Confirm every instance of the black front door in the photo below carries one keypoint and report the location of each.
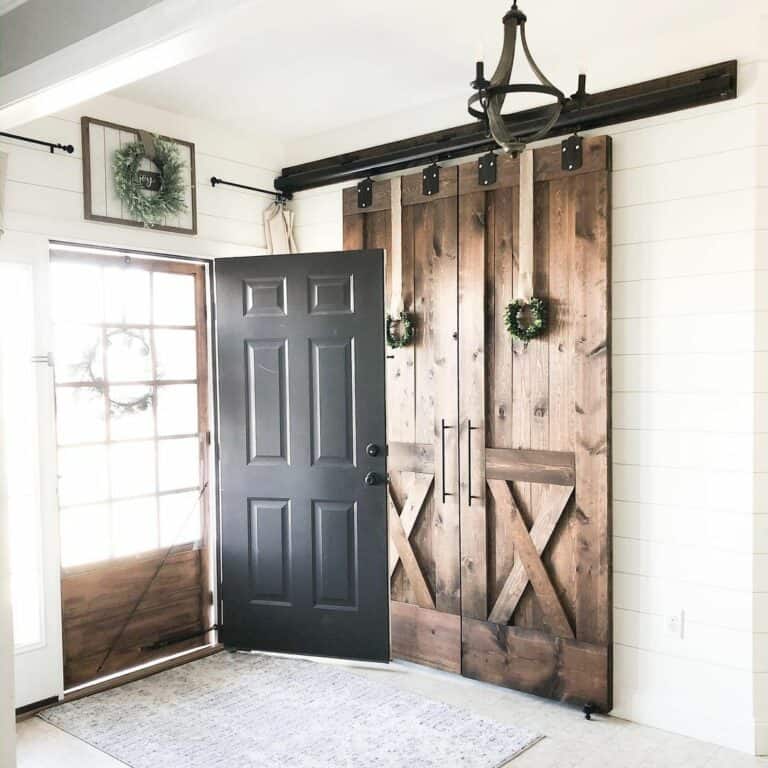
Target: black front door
(302, 451)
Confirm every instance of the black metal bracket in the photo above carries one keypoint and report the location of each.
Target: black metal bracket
(572, 154)
(68, 148)
(588, 710)
(215, 180)
(583, 112)
(486, 169)
(430, 180)
(365, 193)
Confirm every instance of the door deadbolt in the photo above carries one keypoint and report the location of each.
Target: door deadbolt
(371, 479)
(372, 449)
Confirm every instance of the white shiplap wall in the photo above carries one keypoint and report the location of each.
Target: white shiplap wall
(690, 412)
(45, 192)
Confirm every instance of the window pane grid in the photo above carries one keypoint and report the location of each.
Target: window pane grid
(147, 456)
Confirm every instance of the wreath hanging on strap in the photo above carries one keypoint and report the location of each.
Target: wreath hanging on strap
(525, 320)
(130, 340)
(408, 329)
(138, 189)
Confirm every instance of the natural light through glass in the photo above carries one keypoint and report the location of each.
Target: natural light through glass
(127, 408)
(20, 436)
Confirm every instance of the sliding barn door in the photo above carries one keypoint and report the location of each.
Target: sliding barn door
(535, 536)
(421, 235)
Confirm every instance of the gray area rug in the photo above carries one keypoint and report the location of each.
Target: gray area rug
(247, 710)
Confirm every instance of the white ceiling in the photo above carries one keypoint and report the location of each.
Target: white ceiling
(305, 68)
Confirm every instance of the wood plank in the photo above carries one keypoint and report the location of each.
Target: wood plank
(545, 592)
(411, 457)
(426, 637)
(552, 504)
(410, 512)
(591, 393)
(502, 230)
(103, 588)
(531, 466)
(381, 199)
(534, 661)
(354, 232)
(471, 380)
(443, 246)
(147, 626)
(410, 563)
(524, 287)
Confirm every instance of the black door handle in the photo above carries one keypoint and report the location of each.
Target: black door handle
(443, 427)
(371, 479)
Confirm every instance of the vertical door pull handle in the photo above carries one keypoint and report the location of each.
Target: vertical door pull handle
(470, 429)
(443, 427)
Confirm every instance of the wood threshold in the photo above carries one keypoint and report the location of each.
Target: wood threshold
(131, 675)
(114, 681)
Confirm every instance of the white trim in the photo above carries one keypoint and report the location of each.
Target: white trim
(162, 36)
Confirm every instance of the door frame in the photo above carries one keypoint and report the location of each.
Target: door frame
(38, 669)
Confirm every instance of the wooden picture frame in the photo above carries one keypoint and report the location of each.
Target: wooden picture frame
(100, 203)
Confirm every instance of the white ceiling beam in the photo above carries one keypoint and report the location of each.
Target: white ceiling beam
(162, 36)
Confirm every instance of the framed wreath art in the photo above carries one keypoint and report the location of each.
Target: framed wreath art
(148, 196)
(137, 178)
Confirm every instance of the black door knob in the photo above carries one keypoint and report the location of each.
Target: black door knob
(372, 449)
(371, 479)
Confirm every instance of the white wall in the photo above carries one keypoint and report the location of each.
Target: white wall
(690, 406)
(45, 192)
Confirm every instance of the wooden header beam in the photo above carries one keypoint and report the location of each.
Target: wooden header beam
(694, 88)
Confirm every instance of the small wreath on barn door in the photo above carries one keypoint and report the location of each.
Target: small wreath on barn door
(525, 320)
(137, 188)
(407, 331)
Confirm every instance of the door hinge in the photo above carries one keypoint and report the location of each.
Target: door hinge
(210, 597)
(208, 438)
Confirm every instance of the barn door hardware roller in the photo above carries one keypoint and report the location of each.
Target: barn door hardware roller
(486, 169)
(365, 193)
(430, 179)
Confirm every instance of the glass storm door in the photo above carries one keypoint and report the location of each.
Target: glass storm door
(132, 435)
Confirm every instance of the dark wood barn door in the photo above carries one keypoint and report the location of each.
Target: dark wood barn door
(303, 455)
(536, 542)
(527, 427)
(422, 413)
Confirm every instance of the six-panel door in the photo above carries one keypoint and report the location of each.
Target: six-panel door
(303, 456)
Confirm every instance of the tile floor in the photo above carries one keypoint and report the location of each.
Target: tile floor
(571, 742)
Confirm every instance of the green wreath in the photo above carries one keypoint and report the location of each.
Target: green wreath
(150, 207)
(85, 369)
(526, 320)
(406, 335)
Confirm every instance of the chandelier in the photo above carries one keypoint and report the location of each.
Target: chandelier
(491, 94)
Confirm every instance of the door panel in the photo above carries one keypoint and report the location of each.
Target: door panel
(541, 622)
(301, 385)
(422, 413)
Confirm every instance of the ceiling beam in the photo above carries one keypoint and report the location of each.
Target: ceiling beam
(684, 90)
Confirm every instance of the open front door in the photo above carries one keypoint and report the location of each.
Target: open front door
(302, 451)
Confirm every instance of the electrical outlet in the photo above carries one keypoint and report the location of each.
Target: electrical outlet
(674, 624)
